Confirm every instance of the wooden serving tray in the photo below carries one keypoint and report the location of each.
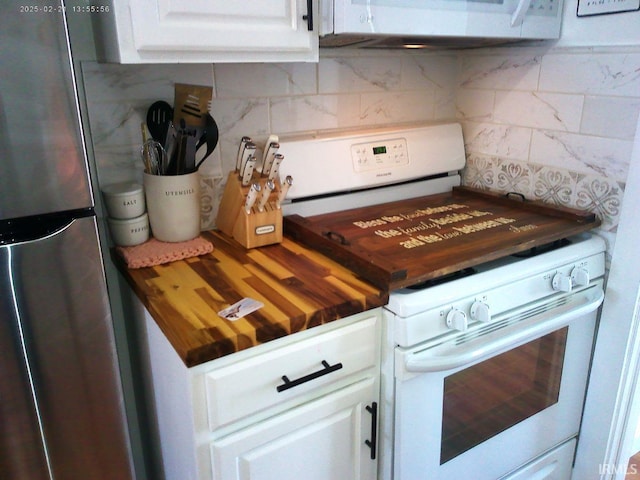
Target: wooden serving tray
(398, 244)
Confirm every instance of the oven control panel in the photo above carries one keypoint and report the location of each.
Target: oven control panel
(329, 163)
(488, 297)
(380, 154)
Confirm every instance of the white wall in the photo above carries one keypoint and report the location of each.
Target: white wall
(613, 29)
(611, 414)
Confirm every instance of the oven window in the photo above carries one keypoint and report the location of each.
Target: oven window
(486, 399)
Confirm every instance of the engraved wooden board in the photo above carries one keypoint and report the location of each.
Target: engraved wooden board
(398, 244)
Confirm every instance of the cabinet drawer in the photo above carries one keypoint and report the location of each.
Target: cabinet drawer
(258, 383)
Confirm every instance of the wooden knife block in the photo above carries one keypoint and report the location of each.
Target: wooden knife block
(254, 229)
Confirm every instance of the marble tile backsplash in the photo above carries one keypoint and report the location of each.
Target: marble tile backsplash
(555, 125)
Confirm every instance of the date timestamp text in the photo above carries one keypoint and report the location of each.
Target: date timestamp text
(63, 9)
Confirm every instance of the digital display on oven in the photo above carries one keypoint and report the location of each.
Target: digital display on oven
(379, 150)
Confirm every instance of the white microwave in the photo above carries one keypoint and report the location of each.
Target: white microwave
(407, 23)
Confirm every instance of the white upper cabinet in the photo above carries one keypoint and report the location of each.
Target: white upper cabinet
(203, 31)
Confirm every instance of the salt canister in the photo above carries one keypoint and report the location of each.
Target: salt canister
(124, 200)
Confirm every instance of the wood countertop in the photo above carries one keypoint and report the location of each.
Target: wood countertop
(300, 289)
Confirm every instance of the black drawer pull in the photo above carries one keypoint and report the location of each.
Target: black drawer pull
(307, 378)
(373, 410)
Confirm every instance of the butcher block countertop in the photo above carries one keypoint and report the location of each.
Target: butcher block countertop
(299, 287)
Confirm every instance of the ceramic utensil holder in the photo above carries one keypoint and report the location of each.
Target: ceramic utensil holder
(253, 229)
(173, 205)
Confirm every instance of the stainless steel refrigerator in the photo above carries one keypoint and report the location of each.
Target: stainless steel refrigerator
(62, 412)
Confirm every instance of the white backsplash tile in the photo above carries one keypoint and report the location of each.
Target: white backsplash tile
(399, 107)
(506, 71)
(610, 116)
(265, 79)
(499, 140)
(539, 110)
(314, 112)
(359, 74)
(107, 82)
(582, 153)
(429, 72)
(475, 106)
(597, 73)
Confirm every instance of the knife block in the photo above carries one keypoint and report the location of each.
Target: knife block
(254, 229)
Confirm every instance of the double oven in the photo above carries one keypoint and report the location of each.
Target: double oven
(489, 328)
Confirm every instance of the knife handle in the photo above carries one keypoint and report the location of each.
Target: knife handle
(243, 143)
(251, 197)
(284, 188)
(275, 168)
(269, 156)
(266, 192)
(248, 153)
(247, 172)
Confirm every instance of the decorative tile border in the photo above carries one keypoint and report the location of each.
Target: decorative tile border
(211, 192)
(597, 194)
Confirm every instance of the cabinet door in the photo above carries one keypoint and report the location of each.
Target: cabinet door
(221, 30)
(322, 440)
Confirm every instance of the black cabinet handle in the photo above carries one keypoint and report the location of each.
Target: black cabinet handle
(309, 16)
(373, 410)
(307, 378)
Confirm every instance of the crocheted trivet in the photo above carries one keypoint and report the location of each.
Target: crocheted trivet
(155, 252)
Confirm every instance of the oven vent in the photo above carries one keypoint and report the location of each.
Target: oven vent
(511, 319)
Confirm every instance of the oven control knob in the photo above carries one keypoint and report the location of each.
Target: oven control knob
(457, 320)
(480, 312)
(580, 276)
(561, 283)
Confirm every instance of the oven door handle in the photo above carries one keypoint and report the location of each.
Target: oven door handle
(500, 341)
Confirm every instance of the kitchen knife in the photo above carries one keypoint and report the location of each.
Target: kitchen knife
(284, 188)
(248, 152)
(243, 144)
(266, 192)
(247, 171)
(251, 197)
(269, 156)
(277, 160)
(265, 151)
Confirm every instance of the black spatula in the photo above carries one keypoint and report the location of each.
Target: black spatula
(210, 136)
(159, 115)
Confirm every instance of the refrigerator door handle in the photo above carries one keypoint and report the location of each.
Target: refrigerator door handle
(37, 228)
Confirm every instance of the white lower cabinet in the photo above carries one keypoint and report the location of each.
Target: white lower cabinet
(299, 407)
(321, 440)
